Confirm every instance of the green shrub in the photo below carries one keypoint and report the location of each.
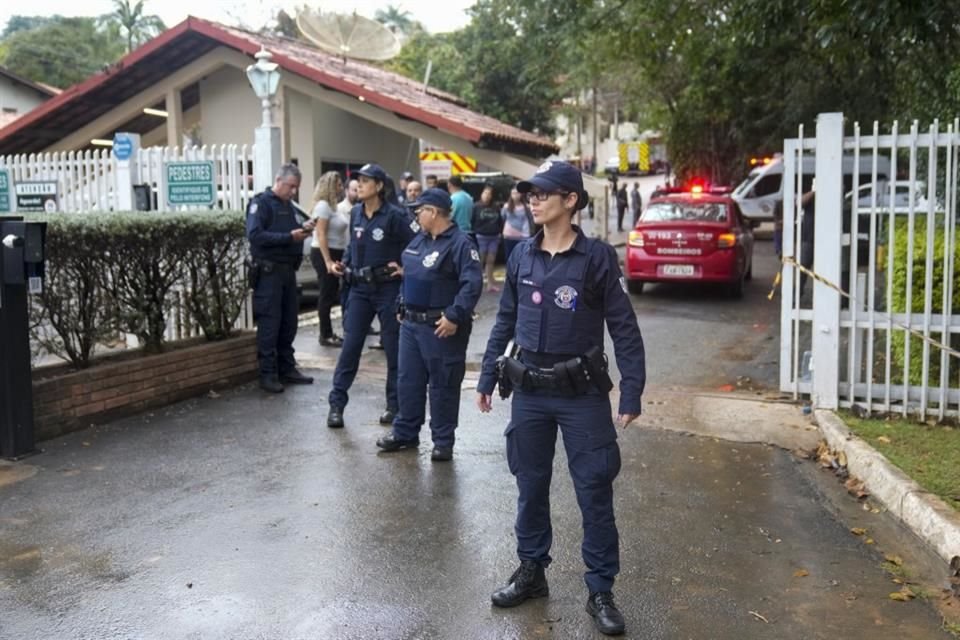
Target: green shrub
(899, 298)
(110, 272)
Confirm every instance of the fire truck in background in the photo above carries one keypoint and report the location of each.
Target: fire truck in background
(444, 164)
(642, 157)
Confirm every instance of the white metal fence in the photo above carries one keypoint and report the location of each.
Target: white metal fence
(870, 314)
(86, 180)
(233, 166)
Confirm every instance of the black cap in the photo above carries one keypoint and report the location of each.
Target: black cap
(556, 175)
(374, 171)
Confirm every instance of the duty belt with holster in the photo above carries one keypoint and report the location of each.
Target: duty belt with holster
(576, 376)
(425, 317)
(369, 275)
(258, 267)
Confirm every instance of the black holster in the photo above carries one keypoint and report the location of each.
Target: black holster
(504, 382)
(253, 272)
(595, 364)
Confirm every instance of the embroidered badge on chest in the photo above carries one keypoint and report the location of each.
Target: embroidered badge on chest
(565, 297)
(377, 234)
(431, 259)
(536, 297)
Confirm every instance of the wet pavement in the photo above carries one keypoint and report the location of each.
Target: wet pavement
(240, 515)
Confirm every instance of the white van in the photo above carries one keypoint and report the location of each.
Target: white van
(763, 188)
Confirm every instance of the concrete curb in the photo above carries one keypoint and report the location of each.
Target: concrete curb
(927, 515)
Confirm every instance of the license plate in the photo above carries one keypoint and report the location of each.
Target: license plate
(678, 269)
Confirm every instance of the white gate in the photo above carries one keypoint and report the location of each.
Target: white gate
(870, 317)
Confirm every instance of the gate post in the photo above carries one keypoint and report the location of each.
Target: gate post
(826, 260)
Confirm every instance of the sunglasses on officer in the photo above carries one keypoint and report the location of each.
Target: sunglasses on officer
(541, 196)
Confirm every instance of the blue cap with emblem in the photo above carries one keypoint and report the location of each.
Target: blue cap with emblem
(438, 198)
(556, 175)
(374, 171)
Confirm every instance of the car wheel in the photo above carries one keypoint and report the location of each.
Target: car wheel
(635, 286)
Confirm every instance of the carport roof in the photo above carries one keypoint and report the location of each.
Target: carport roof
(192, 38)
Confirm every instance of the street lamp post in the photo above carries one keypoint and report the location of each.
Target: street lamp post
(264, 77)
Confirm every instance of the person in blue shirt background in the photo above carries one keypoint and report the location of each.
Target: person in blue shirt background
(462, 204)
(560, 289)
(442, 280)
(379, 231)
(276, 238)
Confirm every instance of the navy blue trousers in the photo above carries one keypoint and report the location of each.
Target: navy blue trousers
(363, 303)
(437, 364)
(593, 458)
(275, 310)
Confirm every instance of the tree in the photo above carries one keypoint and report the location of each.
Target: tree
(395, 18)
(18, 23)
(62, 52)
(137, 26)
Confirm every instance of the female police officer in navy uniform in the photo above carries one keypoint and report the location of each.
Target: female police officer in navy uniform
(442, 280)
(379, 231)
(560, 289)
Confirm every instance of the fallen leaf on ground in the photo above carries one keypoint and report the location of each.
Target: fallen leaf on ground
(904, 595)
(801, 573)
(758, 616)
(884, 439)
(869, 541)
(893, 559)
(858, 531)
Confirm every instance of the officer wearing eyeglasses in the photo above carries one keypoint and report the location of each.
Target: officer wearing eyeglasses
(442, 281)
(379, 231)
(560, 289)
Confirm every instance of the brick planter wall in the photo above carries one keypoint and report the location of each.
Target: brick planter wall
(77, 399)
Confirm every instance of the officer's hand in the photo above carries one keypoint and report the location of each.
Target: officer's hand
(397, 269)
(299, 235)
(484, 402)
(445, 328)
(310, 225)
(624, 419)
(335, 267)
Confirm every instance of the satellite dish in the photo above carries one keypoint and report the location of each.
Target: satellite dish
(348, 35)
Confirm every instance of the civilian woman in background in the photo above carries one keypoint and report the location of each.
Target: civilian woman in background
(487, 224)
(330, 238)
(516, 218)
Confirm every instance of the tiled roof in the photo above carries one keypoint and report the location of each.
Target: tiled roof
(188, 40)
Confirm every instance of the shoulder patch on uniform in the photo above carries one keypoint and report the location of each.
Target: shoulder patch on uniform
(475, 254)
(623, 284)
(415, 226)
(253, 207)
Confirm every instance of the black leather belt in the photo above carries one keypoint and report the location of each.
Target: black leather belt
(369, 275)
(431, 315)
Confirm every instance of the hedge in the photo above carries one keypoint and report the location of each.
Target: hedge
(108, 273)
(899, 298)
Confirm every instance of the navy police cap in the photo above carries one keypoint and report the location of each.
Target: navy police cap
(556, 175)
(374, 171)
(434, 197)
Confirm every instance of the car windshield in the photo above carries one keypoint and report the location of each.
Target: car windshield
(685, 212)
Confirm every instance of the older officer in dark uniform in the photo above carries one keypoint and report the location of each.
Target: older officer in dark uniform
(560, 289)
(379, 231)
(441, 285)
(276, 248)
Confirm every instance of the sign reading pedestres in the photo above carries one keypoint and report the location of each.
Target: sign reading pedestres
(36, 196)
(191, 183)
(5, 191)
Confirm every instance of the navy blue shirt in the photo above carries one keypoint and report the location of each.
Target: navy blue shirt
(554, 307)
(442, 273)
(269, 223)
(379, 239)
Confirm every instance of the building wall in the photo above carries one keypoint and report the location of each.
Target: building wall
(16, 98)
(313, 132)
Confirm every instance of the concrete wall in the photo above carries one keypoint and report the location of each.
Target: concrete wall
(229, 110)
(14, 95)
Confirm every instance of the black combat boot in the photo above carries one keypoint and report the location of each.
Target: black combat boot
(271, 384)
(605, 614)
(335, 418)
(386, 418)
(528, 581)
(295, 377)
